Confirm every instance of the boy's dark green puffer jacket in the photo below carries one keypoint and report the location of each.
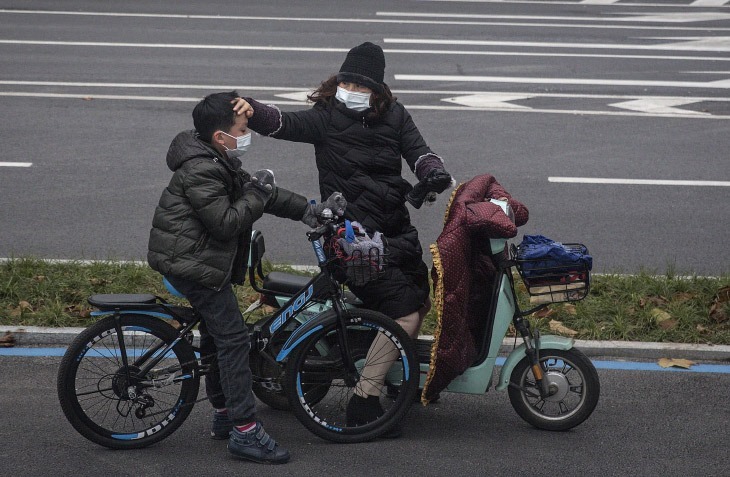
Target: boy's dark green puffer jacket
(201, 229)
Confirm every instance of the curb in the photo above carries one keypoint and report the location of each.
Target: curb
(33, 336)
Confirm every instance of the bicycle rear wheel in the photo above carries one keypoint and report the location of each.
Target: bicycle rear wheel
(320, 387)
(103, 394)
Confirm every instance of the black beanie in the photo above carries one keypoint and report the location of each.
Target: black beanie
(365, 65)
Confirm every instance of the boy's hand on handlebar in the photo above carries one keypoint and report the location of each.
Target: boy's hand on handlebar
(263, 184)
(335, 202)
(241, 106)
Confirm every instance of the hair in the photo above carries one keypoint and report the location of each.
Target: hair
(380, 101)
(214, 113)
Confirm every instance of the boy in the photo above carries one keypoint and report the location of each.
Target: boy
(200, 239)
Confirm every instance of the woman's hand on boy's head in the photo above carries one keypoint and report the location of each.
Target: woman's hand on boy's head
(241, 106)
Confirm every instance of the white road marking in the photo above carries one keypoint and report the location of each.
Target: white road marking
(491, 100)
(464, 100)
(695, 44)
(674, 17)
(661, 106)
(556, 2)
(598, 2)
(709, 3)
(16, 164)
(92, 96)
(192, 46)
(721, 84)
(386, 50)
(440, 21)
(594, 180)
(295, 96)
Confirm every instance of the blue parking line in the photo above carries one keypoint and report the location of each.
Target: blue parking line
(613, 365)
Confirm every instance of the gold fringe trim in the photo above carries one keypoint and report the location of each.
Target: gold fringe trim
(438, 299)
(451, 201)
(438, 303)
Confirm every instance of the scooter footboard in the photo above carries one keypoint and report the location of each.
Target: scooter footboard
(546, 342)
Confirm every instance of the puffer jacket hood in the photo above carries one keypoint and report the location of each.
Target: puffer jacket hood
(187, 145)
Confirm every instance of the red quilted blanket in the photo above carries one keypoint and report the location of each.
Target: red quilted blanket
(462, 271)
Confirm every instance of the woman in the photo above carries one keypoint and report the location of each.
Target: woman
(361, 134)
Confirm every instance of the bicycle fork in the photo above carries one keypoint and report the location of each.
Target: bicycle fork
(352, 376)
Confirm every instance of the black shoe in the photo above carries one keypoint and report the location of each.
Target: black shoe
(256, 445)
(361, 411)
(392, 393)
(222, 426)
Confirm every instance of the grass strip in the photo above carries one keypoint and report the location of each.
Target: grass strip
(641, 307)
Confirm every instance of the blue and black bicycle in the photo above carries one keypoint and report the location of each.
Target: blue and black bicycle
(132, 378)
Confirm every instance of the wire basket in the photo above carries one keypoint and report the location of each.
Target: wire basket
(555, 280)
(359, 267)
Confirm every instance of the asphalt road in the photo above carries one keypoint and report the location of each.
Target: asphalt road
(646, 423)
(92, 93)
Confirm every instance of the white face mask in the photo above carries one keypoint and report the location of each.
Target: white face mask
(353, 100)
(242, 144)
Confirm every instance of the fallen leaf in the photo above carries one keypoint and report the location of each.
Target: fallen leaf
(558, 327)
(717, 309)
(39, 278)
(668, 324)
(99, 281)
(652, 300)
(570, 309)
(7, 340)
(88, 98)
(545, 312)
(677, 363)
(24, 305)
(723, 295)
(702, 329)
(683, 296)
(660, 315)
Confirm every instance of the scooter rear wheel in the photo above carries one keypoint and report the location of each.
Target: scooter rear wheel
(574, 387)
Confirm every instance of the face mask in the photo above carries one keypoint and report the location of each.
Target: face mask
(242, 144)
(353, 100)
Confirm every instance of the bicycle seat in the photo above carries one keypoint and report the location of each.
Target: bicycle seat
(285, 283)
(114, 300)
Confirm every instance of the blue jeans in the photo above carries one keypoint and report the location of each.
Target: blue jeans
(224, 345)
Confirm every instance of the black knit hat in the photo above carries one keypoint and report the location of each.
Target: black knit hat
(365, 65)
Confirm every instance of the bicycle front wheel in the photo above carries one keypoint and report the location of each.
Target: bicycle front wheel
(104, 394)
(320, 386)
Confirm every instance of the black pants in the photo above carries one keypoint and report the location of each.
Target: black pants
(224, 344)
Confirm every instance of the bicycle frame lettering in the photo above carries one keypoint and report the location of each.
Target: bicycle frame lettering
(284, 316)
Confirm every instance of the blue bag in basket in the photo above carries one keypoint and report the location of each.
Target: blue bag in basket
(541, 254)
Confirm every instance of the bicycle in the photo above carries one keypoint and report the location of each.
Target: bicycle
(131, 379)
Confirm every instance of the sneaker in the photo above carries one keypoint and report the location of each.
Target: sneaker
(361, 411)
(257, 446)
(222, 426)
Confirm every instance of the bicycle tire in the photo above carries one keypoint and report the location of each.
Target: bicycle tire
(317, 365)
(116, 409)
(575, 385)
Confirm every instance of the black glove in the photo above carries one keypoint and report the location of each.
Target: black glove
(263, 184)
(336, 203)
(437, 181)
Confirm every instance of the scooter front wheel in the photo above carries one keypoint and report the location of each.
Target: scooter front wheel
(573, 384)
